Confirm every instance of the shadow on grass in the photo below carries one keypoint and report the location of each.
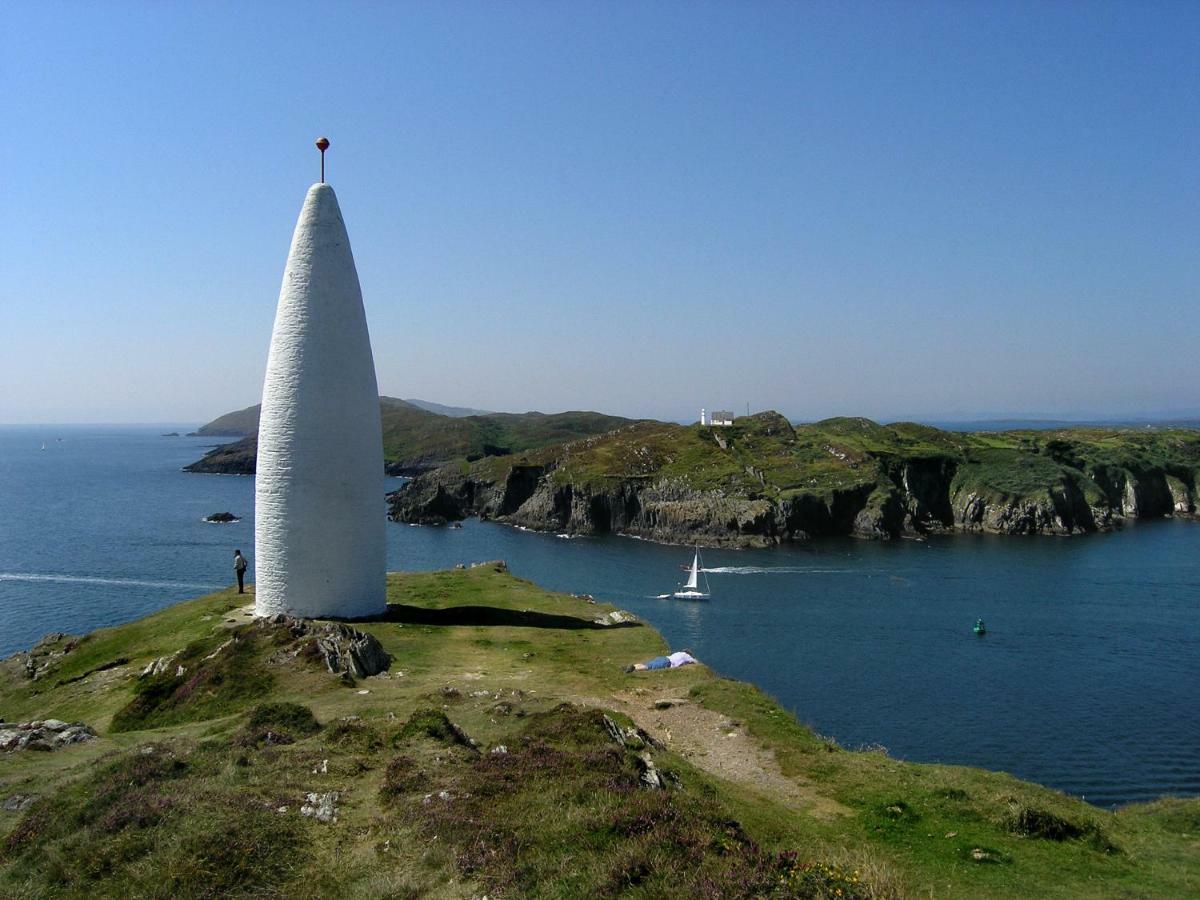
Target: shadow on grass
(489, 615)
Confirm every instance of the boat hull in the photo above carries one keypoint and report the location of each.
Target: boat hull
(690, 595)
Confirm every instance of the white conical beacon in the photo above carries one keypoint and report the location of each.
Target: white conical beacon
(319, 536)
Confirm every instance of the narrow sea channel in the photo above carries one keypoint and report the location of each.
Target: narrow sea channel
(1086, 681)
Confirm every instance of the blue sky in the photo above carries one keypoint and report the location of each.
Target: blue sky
(919, 210)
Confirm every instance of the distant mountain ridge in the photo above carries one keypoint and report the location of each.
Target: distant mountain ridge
(243, 422)
(234, 424)
(416, 439)
(454, 412)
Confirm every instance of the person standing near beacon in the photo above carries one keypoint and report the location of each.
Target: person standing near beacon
(240, 565)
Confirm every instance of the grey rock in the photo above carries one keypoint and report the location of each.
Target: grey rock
(649, 774)
(616, 617)
(615, 731)
(17, 803)
(46, 654)
(322, 807)
(50, 734)
(76, 734)
(633, 737)
(463, 738)
(158, 666)
(668, 702)
(345, 650)
(49, 639)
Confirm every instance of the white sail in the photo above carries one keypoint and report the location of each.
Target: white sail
(691, 590)
(693, 576)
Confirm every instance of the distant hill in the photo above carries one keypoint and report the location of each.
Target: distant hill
(454, 412)
(245, 421)
(1059, 424)
(762, 481)
(415, 439)
(234, 424)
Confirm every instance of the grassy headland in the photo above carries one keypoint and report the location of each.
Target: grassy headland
(762, 481)
(415, 439)
(196, 782)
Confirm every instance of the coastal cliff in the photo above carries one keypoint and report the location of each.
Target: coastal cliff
(763, 481)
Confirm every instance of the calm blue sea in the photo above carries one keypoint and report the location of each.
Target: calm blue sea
(1087, 680)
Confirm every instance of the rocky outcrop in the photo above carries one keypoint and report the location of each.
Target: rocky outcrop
(530, 497)
(974, 512)
(161, 664)
(664, 510)
(45, 655)
(894, 497)
(1183, 498)
(235, 458)
(221, 518)
(342, 648)
(17, 803)
(45, 734)
(321, 806)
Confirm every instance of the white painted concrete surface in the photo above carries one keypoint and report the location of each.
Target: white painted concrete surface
(319, 506)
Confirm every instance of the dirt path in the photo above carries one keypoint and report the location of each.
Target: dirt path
(710, 741)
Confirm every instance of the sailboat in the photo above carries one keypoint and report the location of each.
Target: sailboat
(691, 590)
(43, 445)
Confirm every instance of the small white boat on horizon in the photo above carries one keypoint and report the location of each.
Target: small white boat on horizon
(691, 589)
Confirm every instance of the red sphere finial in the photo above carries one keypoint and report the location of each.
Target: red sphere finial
(322, 145)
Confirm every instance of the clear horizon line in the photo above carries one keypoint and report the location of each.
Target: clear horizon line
(948, 418)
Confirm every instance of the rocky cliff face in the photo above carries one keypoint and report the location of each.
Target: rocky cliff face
(236, 458)
(895, 496)
(529, 496)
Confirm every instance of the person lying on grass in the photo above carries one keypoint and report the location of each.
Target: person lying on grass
(674, 661)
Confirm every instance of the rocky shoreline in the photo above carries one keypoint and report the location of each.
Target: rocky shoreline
(885, 497)
(235, 458)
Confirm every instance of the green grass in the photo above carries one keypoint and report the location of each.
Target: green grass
(763, 459)
(188, 804)
(930, 819)
(1007, 473)
(159, 821)
(414, 438)
(210, 685)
